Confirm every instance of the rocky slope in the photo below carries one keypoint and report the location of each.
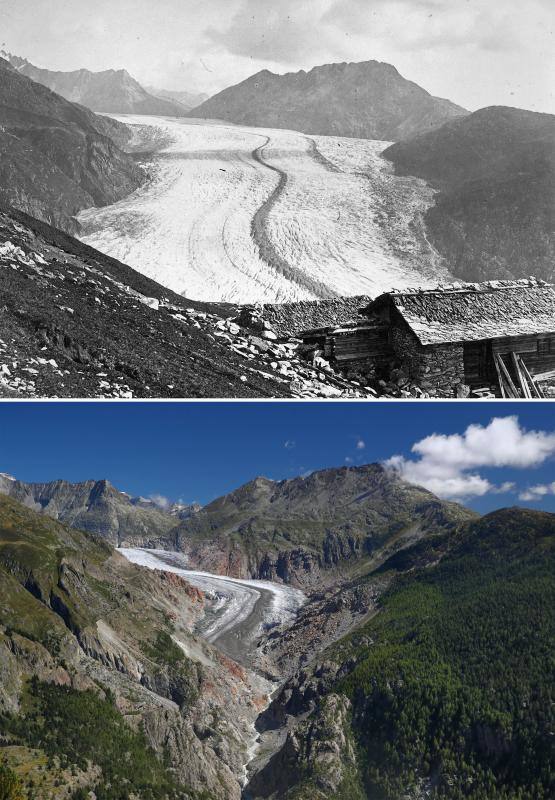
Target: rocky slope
(311, 531)
(428, 698)
(98, 507)
(495, 171)
(112, 91)
(57, 158)
(102, 683)
(368, 100)
(77, 323)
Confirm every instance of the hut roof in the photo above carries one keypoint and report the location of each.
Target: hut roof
(467, 312)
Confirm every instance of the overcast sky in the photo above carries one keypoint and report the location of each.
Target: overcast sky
(475, 52)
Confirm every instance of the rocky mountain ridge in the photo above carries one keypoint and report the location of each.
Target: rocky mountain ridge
(57, 157)
(368, 100)
(112, 91)
(311, 531)
(98, 507)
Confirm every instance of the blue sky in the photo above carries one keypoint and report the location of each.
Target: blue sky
(198, 451)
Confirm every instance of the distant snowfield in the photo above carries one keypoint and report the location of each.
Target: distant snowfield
(242, 608)
(257, 215)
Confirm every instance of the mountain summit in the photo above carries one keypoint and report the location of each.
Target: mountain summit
(368, 100)
(307, 529)
(111, 91)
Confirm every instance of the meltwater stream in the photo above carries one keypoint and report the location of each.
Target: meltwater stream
(241, 610)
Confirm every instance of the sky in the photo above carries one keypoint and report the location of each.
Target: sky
(486, 455)
(475, 52)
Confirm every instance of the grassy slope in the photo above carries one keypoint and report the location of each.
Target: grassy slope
(53, 581)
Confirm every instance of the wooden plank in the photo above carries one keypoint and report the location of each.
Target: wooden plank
(537, 390)
(507, 377)
(499, 377)
(521, 377)
(531, 382)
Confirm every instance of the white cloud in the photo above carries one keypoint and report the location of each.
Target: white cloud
(538, 492)
(159, 500)
(447, 464)
(361, 444)
(505, 488)
(290, 444)
(349, 460)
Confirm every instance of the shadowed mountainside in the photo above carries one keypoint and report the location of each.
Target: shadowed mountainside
(495, 171)
(368, 100)
(77, 323)
(57, 158)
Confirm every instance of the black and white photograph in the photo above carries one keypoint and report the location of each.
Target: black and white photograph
(274, 199)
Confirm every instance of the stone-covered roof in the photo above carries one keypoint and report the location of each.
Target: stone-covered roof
(465, 312)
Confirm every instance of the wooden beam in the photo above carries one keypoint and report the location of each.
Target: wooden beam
(508, 379)
(537, 390)
(521, 377)
(499, 377)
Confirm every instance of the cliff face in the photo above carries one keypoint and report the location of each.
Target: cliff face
(103, 651)
(57, 157)
(94, 506)
(369, 100)
(495, 171)
(307, 531)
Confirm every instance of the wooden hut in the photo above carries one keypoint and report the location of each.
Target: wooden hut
(468, 333)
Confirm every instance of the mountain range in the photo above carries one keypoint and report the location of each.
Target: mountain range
(188, 100)
(110, 91)
(58, 157)
(424, 674)
(495, 172)
(368, 100)
(306, 531)
(98, 507)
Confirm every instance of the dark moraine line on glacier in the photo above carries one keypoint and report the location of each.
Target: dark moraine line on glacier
(242, 608)
(318, 156)
(265, 246)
